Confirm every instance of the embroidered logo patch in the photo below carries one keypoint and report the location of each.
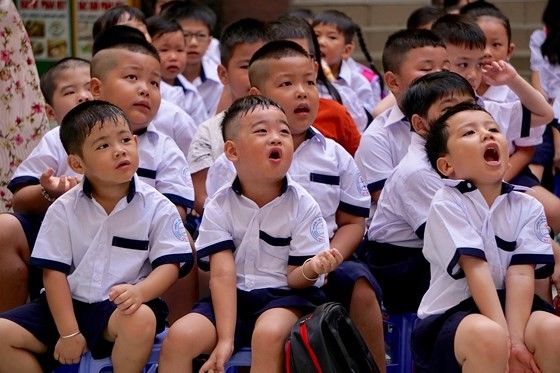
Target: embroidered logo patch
(541, 230)
(360, 184)
(318, 230)
(185, 173)
(179, 230)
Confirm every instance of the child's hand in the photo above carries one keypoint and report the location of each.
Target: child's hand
(216, 362)
(69, 350)
(128, 298)
(520, 359)
(326, 261)
(57, 186)
(498, 73)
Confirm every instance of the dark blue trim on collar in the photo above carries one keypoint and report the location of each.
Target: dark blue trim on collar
(87, 189)
(465, 186)
(309, 134)
(177, 83)
(236, 186)
(203, 77)
(507, 188)
(140, 131)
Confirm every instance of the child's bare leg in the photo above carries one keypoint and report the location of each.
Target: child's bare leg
(134, 338)
(481, 345)
(271, 332)
(542, 337)
(14, 259)
(187, 338)
(181, 296)
(366, 315)
(17, 346)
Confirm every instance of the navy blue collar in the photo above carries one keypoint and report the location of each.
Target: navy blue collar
(236, 186)
(466, 186)
(87, 188)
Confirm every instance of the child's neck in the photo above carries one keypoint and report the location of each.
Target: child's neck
(108, 197)
(482, 88)
(261, 193)
(335, 69)
(490, 191)
(171, 82)
(192, 72)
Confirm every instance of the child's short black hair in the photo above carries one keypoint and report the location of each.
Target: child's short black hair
(49, 79)
(401, 42)
(273, 50)
(114, 15)
(159, 26)
(124, 37)
(244, 31)
(436, 143)
(190, 10)
(343, 23)
(241, 107)
(78, 123)
(460, 30)
(423, 16)
(426, 90)
(482, 8)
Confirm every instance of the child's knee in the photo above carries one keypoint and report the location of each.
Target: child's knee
(363, 294)
(483, 337)
(270, 334)
(139, 325)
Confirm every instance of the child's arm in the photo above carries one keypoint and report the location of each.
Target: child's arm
(129, 298)
(518, 160)
(71, 343)
(349, 234)
(520, 278)
(223, 289)
(501, 72)
(308, 273)
(200, 193)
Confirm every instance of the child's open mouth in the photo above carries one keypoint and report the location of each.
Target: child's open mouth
(275, 154)
(491, 154)
(302, 108)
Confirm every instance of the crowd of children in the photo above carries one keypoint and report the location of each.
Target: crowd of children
(214, 186)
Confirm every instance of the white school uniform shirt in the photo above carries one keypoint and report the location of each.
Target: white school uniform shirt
(161, 164)
(383, 145)
(373, 79)
(535, 42)
(98, 251)
(511, 231)
(207, 144)
(323, 168)
(185, 95)
(286, 231)
(209, 85)
(174, 122)
(402, 208)
(348, 77)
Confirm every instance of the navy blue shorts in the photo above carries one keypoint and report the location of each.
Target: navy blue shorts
(250, 305)
(525, 178)
(31, 224)
(403, 274)
(544, 152)
(92, 321)
(433, 338)
(341, 281)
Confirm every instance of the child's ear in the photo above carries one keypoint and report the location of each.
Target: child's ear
(391, 81)
(95, 86)
(254, 91)
(420, 125)
(223, 74)
(444, 166)
(511, 48)
(50, 112)
(347, 51)
(230, 151)
(76, 164)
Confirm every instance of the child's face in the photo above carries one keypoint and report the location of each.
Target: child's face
(477, 150)
(173, 55)
(292, 83)
(109, 155)
(72, 88)
(467, 63)
(418, 62)
(263, 147)
(133, 85)
(331, 43)
(197, 37)
(497, 45)
(236, 74)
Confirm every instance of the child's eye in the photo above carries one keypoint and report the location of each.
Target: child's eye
(285, 132)
(468, 133)
(126, 140)
(285, 84)
(494, 129)
(163, 50)
(155, 83)
(260, 130)
(311, 82)
(102, 146)
(131, 76)
(463, 65)
(68, 93)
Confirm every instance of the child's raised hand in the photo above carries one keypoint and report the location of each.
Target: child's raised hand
(70, 350)
(326, 261)
(128, 298)
(498, 73)
(57, 186)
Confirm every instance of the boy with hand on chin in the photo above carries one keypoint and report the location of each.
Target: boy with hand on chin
(486, 241)
(108, 248)
(264, 271)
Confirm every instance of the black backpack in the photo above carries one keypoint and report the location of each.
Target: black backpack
(326, 341)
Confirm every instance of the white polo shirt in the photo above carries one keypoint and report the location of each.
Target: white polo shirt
(209, 85)
(98, 251)
(358, 83)
(264, 241)
(323, 168)
(175, 123)
(207, 144)
(185, 95)
(511, 231)
(403, 205)
(383, 145)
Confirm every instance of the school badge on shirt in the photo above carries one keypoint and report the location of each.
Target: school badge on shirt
(318, 230)
(360, 184)
(179, 230)
(541, 229)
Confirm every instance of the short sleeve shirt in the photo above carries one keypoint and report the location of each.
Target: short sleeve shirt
(510, 232)
(175, 123)
(207, 144)
(209, 85)
(264, 241)
(185, 95)
(99, 250)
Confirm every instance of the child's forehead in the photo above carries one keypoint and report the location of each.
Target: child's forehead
(332, 27)
(245, 50)
(280, 65)
(193, 24)
(464, 51)
(271, 113)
